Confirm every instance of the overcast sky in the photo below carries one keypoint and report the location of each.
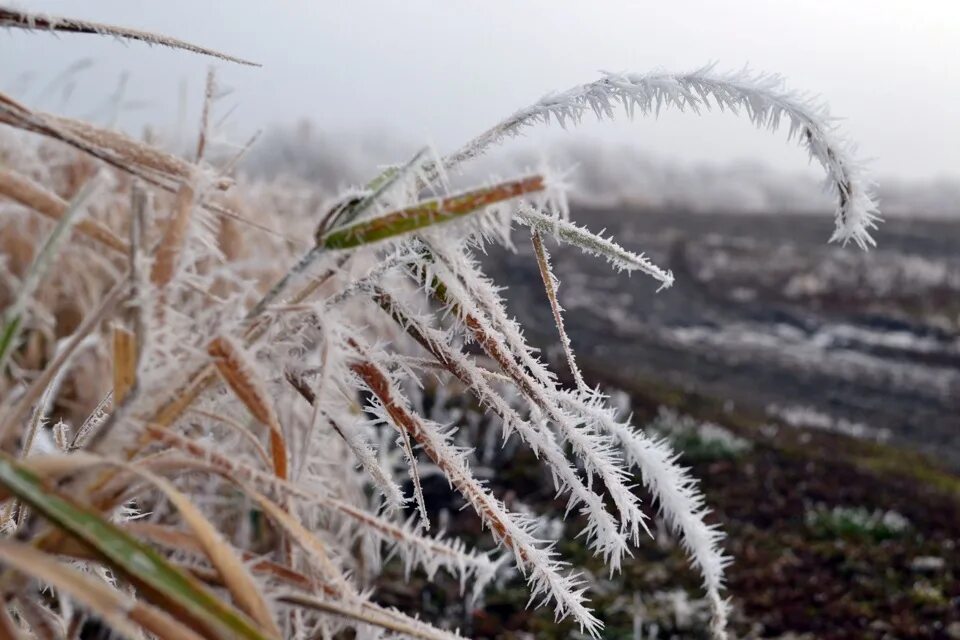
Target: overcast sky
(440, 71)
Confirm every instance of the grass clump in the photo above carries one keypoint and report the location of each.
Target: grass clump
(215, 349)
(699, 441)
(856, 523)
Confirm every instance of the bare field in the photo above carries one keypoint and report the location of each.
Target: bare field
(767, 315)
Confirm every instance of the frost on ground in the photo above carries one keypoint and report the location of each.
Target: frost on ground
(813, 419)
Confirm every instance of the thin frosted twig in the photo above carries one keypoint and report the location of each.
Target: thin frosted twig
(761, 96)
(550, 284)
(593, 244)
(596, 451)
(94, 421)
(681, 502)
(367, 458)
(370, 613)
(407, 446)
(601, 532)
(510, 529)
(11, 17)
(208, 96)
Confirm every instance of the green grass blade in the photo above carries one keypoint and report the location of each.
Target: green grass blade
(13, 315)
(140, 563)
(342, 214)
(380, 185)
(11, 328)
(428, 213)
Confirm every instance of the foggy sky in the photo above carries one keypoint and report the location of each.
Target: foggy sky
(440, 72)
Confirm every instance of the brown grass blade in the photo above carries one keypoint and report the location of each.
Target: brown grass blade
(205, 115)
(117, 149)
(124, 363)
(11, 17)
(302, 536)
(307, 541)
(122, 152)
(243, 380)
(201, 380)
(33, 196)
(222, 556)
(174, 237)
(210, 460)
(550, 285)
(48, 467)
(186, 543)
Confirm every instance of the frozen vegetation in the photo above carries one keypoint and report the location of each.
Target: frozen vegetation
(190, 356)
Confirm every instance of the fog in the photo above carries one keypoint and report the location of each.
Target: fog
(430, 72)
(599, 174)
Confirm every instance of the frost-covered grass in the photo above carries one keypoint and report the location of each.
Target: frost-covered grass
(233, 366)
(699, 440)
(856, 523)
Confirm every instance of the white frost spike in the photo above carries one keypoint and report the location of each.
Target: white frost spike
(486, 295)
(514, 531)
(596, 451)
(550, 286)
(403, 441)
(368, 460)
(415, 548)
(594, 244)
(681, 502)
(601, 533)
(762, 96)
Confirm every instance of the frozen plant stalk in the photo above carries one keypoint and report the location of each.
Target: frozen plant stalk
(326, 369)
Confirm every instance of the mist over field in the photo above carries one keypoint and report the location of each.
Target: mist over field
(600, 174)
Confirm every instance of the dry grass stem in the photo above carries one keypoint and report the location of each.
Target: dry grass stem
(11, 17)
(550, 285)
(124, 363)
(242, 379)
(33, 196)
